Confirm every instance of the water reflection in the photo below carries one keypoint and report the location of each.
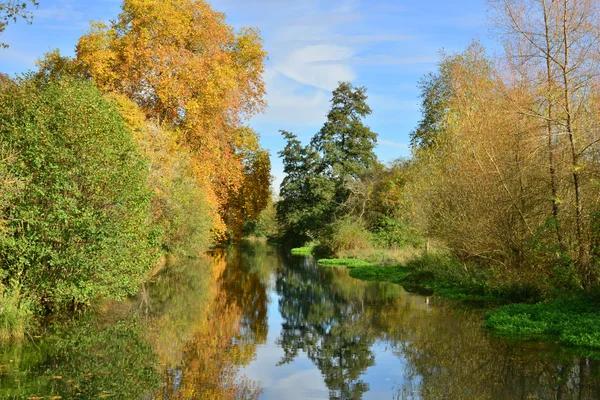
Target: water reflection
(197, 327)
(335, 320)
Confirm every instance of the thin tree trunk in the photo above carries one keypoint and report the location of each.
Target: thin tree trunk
(572, 141)
(549, 123)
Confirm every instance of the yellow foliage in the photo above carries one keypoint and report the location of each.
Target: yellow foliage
(184, 66)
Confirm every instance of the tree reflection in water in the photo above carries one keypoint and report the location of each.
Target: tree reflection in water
(191, 329)
(336, 320)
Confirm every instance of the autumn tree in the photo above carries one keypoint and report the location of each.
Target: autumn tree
(478, 189)
(554, 45)
(184, 66)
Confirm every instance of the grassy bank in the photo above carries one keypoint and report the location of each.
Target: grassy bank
(302, 251)
(517, 310)
(15, 312)
(440, 273)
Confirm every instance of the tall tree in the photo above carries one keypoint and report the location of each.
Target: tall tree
(345, 143)
(559, 41)
(306, 194)
(184, 65)
(317, 179)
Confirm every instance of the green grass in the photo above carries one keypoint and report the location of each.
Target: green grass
(302, 251)
(345, 262)
(15, 312)
(394, 274)
(442, 274)
(573, 321)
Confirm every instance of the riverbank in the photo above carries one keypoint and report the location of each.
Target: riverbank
(518, 310)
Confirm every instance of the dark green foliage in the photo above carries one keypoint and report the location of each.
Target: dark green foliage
(344, 142)
(81, 228)
(306, 204)
(314, 187)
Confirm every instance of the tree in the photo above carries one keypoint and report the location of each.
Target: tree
(344, 142)
(317, 176)
(436, 90)
(12, 10)
(184, 66)
(306, 203)
(559, 41)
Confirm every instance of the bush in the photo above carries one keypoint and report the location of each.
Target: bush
(574, 321)
(347, 233)
(389, 232)
(180, 206)
(83, 229)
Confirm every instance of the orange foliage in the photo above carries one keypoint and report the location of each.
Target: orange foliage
(185, 66)
(210, 369)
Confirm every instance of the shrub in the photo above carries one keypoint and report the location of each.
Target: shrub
(180, 206)
(347, 233)
(390, 232)
(83, 229)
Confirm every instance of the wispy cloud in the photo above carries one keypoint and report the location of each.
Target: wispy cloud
(390, 143)
(383, 59)
(290, 104)
(305, 65)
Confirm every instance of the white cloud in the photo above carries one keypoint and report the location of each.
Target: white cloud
(305, 65)
(290, 103)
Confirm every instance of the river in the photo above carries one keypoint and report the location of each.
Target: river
(252, 322)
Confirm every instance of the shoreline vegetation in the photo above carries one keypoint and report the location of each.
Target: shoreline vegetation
(515, 312)
(105, 174)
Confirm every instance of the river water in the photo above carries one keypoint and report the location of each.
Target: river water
(252, 322)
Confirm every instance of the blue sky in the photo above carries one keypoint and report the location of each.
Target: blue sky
(385, 45)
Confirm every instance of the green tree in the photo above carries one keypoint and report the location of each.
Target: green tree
(436, 90)
(81, 229)
(317, 175)
(306, 203)
(345, 143)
